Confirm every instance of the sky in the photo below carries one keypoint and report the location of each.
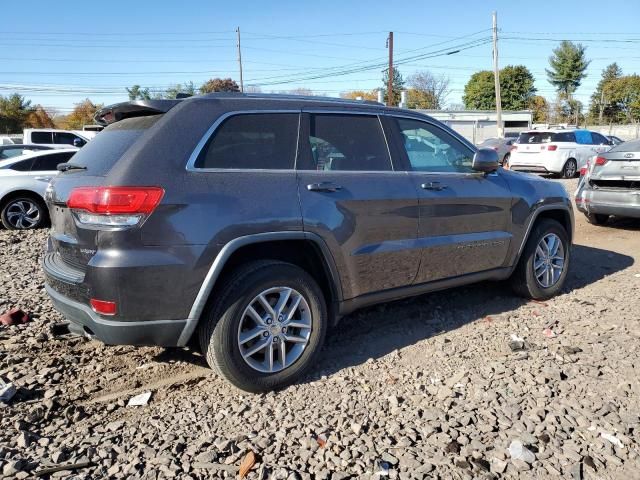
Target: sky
(58, 56)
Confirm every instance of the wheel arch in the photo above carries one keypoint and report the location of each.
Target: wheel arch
(304, 249)
(560, 213)
(19, 193)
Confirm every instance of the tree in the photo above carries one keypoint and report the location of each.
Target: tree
(568, 65)
(81, 115)
(625, 93)
(397, 83)
(39, 118)
(427, 91)
(540, 108)
(136, 92)
(186, 89)
(360, 94)
(601, 107)
(516, 88)
(14, 111)
(219, 85)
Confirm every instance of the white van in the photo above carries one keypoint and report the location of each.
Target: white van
(558, 151)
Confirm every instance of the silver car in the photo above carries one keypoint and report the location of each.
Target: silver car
(501, 145)
(23, 181)
(611, 184)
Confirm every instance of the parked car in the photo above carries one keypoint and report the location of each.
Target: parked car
(23, 181)
(556, 151)
(55, 138)
(615, 140)
(502, 146)
(611, 184)
(10, 151)
(10, 139)
(250, 223)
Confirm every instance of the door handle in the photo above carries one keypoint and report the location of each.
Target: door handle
(323, 187)
(433, 186)
(43, 179)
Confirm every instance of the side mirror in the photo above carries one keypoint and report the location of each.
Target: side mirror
(485, 160)
(78, 142)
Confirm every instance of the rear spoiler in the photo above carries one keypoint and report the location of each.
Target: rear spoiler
(137, 108)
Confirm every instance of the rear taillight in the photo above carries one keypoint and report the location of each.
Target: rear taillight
(552, 148)
(114, 206)
(601, 161)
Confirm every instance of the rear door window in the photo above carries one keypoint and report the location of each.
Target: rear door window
(66, 138)
(42, 137)
(598, 139)
(564, 137)
(101, 154)
(251, 142)
(346, 142)
(22, 166)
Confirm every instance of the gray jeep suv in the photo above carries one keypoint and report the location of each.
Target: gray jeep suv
(251, 223)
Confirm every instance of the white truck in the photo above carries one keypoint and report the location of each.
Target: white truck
(55, 138)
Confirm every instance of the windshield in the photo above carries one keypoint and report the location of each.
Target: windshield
(102, 153)
(535, 137)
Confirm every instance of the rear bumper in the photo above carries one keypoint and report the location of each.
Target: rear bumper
(620, 202)
(528, 168)
(84, 321)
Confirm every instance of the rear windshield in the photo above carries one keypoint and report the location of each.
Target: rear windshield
(106, 148)
(535, 137)
(631, 146)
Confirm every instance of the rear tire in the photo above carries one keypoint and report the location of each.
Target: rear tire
(596, 218)
(223, 330)
(524, 280)
(24, 213)
(570, 169)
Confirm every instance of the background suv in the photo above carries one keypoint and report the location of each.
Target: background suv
(557, 151)
(251, 223)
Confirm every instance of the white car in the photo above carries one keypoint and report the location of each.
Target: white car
(557, 151)
(23, 182)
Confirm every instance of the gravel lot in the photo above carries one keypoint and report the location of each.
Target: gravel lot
(422, 388)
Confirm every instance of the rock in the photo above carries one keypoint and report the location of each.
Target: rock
(519, 452)
(498, 466)
(12, 467)
(356, 428)
(576, 471)
(7, 390)
(516, 343)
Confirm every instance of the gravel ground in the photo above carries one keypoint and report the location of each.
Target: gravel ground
(422, 388)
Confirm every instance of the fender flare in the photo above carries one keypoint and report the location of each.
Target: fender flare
(225, 253)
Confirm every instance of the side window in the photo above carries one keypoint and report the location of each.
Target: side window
(599, 139)
(50, 162)
(583, 137)
(65, 138)
(22, 166)
(347, 142)
(564, 137)
(41, 137)
(11, 152)
(253, 141)
(431, 149)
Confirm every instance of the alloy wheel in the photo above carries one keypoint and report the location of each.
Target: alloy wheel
(548, 261)
(23, 214)
(274, 329)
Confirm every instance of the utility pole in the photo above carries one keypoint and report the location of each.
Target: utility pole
(496, 75)
(390, 79)
(240, 60)
(601, 107)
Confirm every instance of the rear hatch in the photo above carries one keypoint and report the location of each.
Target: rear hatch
(75, 245)
(619, 168)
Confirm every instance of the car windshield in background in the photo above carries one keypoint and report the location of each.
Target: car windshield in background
(535, 137)
(101, 153)
(631, 146)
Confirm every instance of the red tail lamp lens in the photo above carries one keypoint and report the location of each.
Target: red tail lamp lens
(116, 200)
(103, 307)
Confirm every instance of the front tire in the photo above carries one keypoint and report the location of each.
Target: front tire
(570, 169)
(542, 268)
(24, 213)
(266, 327)
(596, 218)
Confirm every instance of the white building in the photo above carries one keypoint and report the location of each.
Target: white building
(477, 125)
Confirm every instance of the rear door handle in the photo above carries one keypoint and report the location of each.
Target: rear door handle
(43, 179)
(323, 187)
(433, 186)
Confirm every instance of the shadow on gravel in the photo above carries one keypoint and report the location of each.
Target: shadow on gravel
(377, 331)
(632, 224)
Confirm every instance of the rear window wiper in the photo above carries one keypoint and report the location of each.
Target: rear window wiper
(63, 167)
